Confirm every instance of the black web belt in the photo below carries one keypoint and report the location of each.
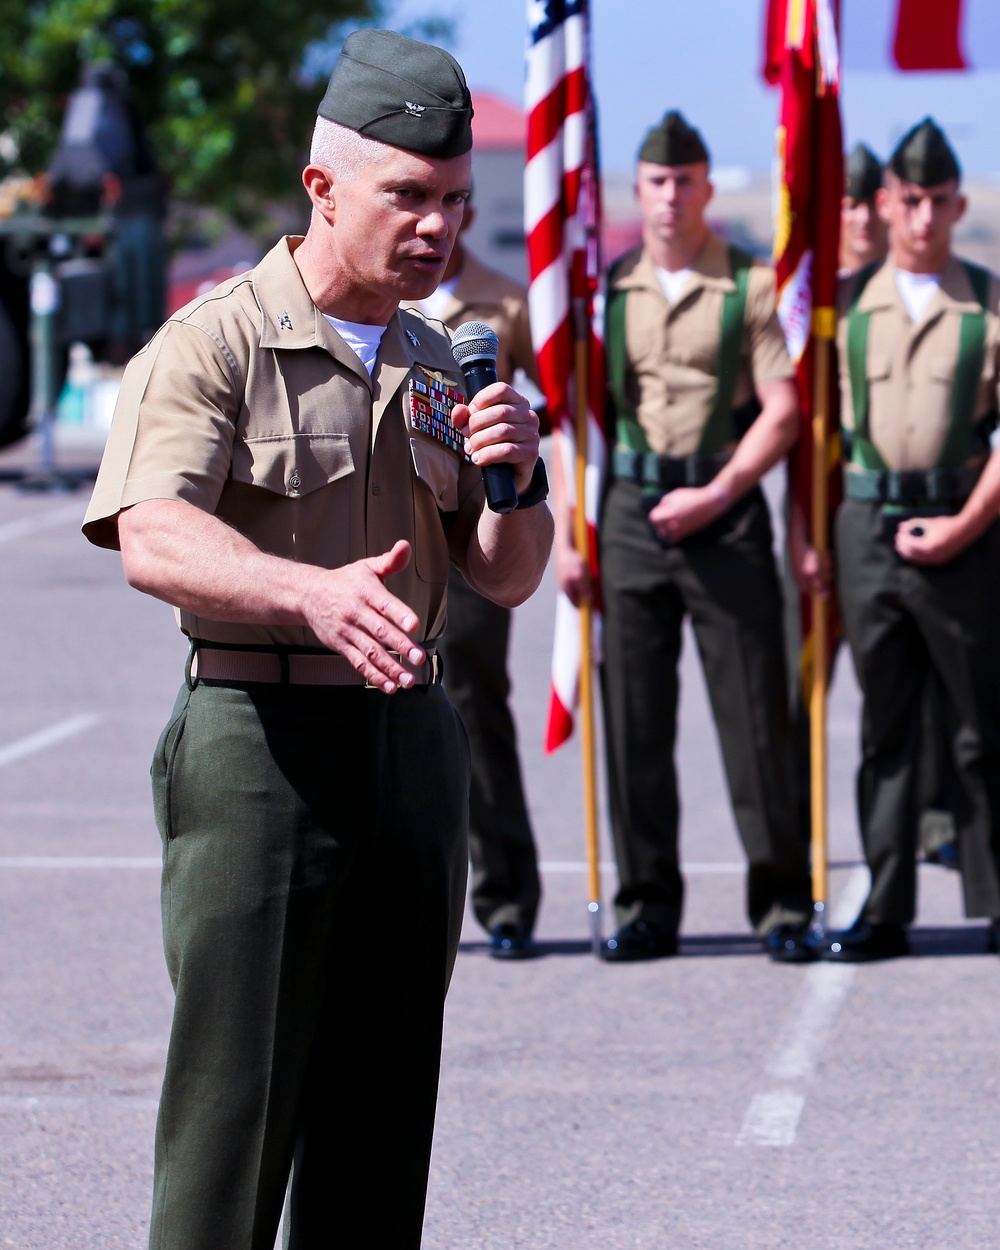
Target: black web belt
(665, 473)
(939, 486)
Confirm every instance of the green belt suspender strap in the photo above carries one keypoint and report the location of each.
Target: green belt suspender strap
(719, 429)
(957, 446)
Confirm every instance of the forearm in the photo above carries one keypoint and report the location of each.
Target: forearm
(192, 560)
(508, 553)
(767, 441)
(983, 505)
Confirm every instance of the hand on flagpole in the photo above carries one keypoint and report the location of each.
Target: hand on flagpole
(572, 572)
(813, 572)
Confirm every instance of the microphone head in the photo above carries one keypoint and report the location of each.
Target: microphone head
(472, 341)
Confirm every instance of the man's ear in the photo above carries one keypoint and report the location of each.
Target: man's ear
(882, 204)
(319, 187)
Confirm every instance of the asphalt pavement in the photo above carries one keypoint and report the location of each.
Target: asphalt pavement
(713, 1101)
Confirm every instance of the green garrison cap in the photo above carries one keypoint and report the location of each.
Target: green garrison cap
(924, 156)
(396, 90)
(864, 174)
(673, 142)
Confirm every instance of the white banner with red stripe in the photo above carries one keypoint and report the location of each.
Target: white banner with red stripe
(921, 35)
(562, 212)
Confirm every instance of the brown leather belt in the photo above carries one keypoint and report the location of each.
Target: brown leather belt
(296, 668)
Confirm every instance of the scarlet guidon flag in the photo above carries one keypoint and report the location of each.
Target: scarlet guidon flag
(914, 35)
(562, 218)
(803, 59)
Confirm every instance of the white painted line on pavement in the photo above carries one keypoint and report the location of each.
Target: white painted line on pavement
(31, 1102)
(41, 521)
(47, 737)
(772, 1118)
(79, 861)
(607, 865)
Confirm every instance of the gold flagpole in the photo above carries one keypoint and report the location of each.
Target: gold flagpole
(822, 337)
(586, 693)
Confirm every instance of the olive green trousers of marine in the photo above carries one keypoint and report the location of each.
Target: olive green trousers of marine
(724, 578)
(315, 864)
(903, 622)
(505, 884)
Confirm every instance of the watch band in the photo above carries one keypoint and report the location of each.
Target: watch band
(538, 487)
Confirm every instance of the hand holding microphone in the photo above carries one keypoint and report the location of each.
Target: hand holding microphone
(475, 348)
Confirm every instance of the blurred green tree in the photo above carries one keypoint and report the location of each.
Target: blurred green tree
(228, 88)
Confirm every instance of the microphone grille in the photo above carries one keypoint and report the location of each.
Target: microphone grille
(474, 340)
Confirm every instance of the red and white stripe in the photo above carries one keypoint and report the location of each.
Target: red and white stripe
(561, 204)
(914, 35)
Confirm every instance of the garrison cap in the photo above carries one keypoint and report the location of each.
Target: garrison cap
(864, 174)
(402, 92)
(673, 142)
(924, 157)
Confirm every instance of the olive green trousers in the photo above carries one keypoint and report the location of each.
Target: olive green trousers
(724, 578)
(505, 883)
(315, 863)
(906, 623)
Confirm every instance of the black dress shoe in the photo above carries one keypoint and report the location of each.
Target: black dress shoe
(866, 942)
(789, 944)
(993, 936)
(639, 940)
(509, 941)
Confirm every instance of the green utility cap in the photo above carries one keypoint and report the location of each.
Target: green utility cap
(924, 157)
(674, 142)
(864, 174)
(399, 91)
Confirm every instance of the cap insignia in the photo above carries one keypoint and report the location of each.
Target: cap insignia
(414, 110)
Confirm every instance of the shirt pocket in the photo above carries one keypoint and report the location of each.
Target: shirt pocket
(436, 491)
(293, 465)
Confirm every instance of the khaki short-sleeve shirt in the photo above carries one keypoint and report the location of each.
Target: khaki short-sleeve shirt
(672, 349)
(248, 405)
(910, 368)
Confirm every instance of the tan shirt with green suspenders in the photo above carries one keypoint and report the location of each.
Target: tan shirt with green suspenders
(918, 401)
(690, 364)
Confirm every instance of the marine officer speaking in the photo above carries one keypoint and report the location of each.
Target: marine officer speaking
(693, 343)
(917, 539)
(289, 466)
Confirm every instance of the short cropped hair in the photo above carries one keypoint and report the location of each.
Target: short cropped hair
(342, 150)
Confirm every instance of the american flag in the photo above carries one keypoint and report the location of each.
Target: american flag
(562, 222)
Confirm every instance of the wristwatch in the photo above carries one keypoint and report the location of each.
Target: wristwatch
(538, 487)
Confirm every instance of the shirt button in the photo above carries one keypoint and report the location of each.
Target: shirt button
(375, 488)
(294, 482)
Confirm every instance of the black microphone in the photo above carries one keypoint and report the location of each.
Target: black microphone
(475, 348)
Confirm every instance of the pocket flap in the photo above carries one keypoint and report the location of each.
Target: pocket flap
(942, 369)
(293, 464)
(878, 366)
(438, 467)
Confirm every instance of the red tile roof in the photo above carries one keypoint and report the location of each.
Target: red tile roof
(497, 123)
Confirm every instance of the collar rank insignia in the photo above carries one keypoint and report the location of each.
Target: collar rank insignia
(413, 338)
(432, 397)
(284, 321)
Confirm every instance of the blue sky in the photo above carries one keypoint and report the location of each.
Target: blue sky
(702, 56)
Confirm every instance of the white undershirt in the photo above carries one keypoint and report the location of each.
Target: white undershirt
(439, 299)
(673, 282)
(917, 291)
(362, 339)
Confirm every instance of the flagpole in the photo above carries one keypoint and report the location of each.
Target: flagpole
(820, 610)
(586, 609)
